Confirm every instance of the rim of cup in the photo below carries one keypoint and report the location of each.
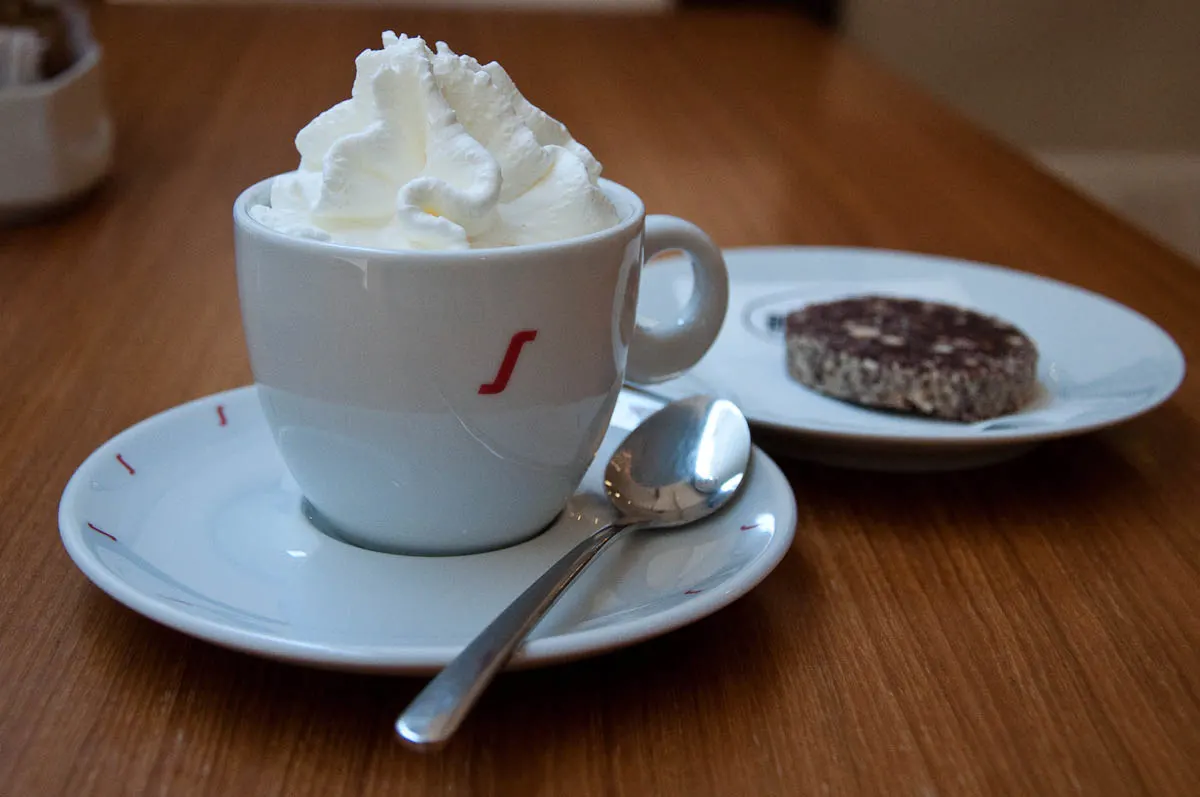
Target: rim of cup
(86, 60)
(629, 205)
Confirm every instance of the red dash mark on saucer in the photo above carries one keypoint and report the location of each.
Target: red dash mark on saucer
(128, 467)
(102, 531)
(693, 592)
(509, 362)
(747, 528)
(221, 414)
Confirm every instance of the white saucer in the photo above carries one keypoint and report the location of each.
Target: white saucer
(1101, 363)
(191, 519)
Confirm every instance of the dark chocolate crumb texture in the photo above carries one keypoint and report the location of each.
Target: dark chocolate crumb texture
(913, 356)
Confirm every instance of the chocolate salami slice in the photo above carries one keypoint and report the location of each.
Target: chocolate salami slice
(912, 356)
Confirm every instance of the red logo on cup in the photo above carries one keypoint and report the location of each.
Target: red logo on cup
(509, 362)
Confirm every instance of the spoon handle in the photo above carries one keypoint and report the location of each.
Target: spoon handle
(437, 711)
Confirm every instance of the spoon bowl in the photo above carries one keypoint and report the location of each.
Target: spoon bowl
(682, 464)
(661, 486)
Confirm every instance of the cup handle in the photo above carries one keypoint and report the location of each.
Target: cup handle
(656, 355)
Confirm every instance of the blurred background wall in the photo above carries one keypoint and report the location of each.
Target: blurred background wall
(1104, 92)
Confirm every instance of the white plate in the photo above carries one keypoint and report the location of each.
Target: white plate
(191, 519)
(1101, 363)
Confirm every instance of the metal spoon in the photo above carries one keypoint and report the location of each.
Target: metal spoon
(683, 463)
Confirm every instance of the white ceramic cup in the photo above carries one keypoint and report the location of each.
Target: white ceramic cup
(56, 139)
(446, 402)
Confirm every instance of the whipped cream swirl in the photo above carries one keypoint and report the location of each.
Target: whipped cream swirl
(435, 151)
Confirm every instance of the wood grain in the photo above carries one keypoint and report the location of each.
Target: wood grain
(1028, 629)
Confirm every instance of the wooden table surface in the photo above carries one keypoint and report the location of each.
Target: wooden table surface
(1028, 629)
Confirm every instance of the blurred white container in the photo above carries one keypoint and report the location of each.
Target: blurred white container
(56, 138)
